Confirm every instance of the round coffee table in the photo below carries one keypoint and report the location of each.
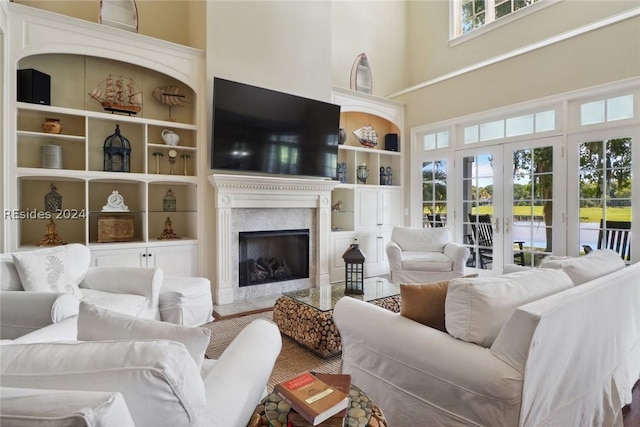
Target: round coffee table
(362, 412)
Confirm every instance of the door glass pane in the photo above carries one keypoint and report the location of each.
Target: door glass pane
(434, 193)
(532, 215)
(477, 208)
(605, 195)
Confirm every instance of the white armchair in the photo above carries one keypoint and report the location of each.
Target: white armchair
(425, 255)
(29, 300)
(159, 379)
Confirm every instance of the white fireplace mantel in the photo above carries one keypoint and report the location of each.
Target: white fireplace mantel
(263, 192)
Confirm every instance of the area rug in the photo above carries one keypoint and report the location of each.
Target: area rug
(292, 359)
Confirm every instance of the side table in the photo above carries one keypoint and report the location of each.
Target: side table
(362, 412)
(307, 316)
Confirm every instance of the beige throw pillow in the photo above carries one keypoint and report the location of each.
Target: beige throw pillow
(98, 324)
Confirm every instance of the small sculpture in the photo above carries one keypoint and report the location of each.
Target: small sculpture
(386, 176)
(337, 207)
(51, 238)
(172, 160)
(185, 157)
(168, 233)
(342, 172)
(157, 156)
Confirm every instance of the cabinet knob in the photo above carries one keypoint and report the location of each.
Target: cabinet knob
(150, 254)
(144, 255)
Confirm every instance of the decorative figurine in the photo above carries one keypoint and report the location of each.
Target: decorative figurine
(51, 238)
(157, 155)
(385, 176)
(185, 157)
(172, 160)
(168, 233)
(342, 172)
(337, 207)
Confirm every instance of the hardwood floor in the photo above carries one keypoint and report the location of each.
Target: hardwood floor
(631, 413)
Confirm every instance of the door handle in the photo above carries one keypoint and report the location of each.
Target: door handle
(497, 226)
(507, 224)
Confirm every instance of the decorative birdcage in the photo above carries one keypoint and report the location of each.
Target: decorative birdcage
(169, 202)
(117, 152)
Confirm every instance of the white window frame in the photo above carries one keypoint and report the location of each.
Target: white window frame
(455, 21)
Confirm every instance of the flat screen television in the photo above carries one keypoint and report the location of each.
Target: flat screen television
(262, 130)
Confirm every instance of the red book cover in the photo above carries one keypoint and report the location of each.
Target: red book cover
(312, 398)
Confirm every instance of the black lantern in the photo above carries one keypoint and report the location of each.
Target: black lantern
(117, 150)
(354, 270)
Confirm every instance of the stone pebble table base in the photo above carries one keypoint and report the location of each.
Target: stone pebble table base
(272, 412)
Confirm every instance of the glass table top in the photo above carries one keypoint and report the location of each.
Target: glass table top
(324, 298)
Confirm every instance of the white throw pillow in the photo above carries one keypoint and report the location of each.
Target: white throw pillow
(46, 271)
(477, 308)
(98, 324)
(586, 268)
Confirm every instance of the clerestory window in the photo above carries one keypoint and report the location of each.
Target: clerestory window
(473, 14)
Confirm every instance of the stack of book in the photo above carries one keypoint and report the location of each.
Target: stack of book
(316, 399)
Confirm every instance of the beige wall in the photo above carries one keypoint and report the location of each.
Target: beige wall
(167, 19)
(597, 57)
(428, 39)
(378, 28)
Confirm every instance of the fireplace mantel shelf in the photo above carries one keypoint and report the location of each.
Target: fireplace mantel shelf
(262, 183)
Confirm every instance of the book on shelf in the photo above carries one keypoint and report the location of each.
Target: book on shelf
(341, 382)
(312, 398)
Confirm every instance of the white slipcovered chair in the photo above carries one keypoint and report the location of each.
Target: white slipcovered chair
(43, 286)
(114, 377)
(425, 255)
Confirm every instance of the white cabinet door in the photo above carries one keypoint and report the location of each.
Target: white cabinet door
(129, 257)
(174, 260)
(367, 208)
(390, 205)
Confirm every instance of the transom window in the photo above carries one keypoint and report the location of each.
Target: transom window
(542, 121)
(472, 14)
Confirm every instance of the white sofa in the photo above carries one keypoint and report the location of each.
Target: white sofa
(569, 358)
(424, 254)
(141, 292)
(156, 382)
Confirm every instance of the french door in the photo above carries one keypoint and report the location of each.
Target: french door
(511, 202)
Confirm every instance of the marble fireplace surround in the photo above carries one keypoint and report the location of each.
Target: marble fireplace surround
(244, 196)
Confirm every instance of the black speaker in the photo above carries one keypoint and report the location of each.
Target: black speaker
(391, 142)
(34, 87)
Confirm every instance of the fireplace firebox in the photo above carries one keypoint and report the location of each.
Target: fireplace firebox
(273, 256)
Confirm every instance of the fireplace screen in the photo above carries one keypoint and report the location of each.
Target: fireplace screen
(273, 256)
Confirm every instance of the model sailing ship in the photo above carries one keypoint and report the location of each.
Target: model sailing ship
(170, 96)
(367, 136)
(118, 94)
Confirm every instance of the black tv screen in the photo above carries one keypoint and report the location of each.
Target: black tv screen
(262, 130)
